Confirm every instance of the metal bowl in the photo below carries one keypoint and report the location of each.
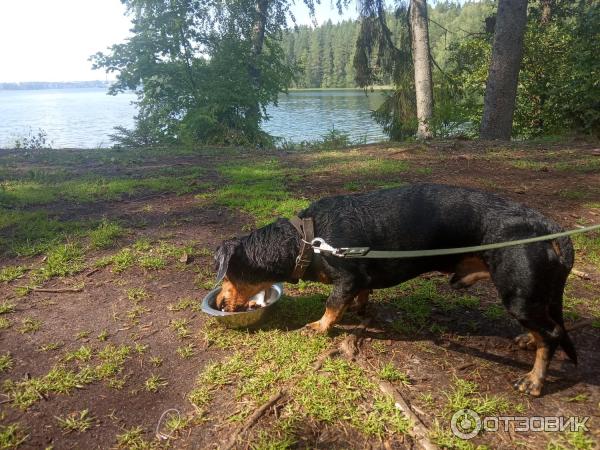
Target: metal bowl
(242, 319)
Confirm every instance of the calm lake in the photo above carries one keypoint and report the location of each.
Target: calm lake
(85, 118)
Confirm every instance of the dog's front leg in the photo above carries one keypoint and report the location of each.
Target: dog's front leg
(336, 304)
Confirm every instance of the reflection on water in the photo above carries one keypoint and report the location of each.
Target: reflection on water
(86, 117)
(308, 115)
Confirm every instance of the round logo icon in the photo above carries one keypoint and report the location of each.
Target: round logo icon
(465, 424)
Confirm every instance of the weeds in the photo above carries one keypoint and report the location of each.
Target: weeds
(11, 273)
(77, 421)
(105, 235)
(154, 383)
(6, 362)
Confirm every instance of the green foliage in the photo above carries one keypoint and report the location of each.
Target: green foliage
(177, 73)
(558, 89)
(33, 141)
(105, 235)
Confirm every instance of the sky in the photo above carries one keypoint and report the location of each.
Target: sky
(51, 40)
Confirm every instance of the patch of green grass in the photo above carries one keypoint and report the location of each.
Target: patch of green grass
(76, 421)
(587, 246)
(181, 327)
(112, 360)
(82, 354)
(528, 164)
(4, 323)
(177, 423)
(6, 362)
(103, 335)
(465, 395)
(186, 351)
(61, 261)
(152, 262)
(140, 349)
(136, 312)
(29, 233)
(573, 440)
(494, 312)
(133, 439)
(105, 235)
(258, 189)
(137, 295)
(10, 273)
(156, 361)
(50, 346)
(6, 307)
(183, 304)
(579, 398)
(389, 372)
(142, 244)
(12, 436)
(30, 325)
(154, 383)
(123, 260)
(84, 334)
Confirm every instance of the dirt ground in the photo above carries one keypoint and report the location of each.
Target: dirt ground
(122, 337)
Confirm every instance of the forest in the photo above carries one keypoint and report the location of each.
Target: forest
(495, 70)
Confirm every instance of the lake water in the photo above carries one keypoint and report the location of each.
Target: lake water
(86, 117)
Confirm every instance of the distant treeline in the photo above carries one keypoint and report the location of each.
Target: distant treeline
(53, 85)
(325, 54)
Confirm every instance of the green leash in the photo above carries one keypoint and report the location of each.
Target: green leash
(320, 246)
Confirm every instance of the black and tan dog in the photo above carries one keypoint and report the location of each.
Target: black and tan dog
(529, 278)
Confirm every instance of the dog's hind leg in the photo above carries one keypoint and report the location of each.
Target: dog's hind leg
(359, 306)
(336, 305)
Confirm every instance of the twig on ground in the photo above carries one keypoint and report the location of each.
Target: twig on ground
(58, 291)
(92, 272)
(581, 274)
(250, 421)
(579, 325)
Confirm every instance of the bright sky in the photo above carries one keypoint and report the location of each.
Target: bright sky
(51, 40)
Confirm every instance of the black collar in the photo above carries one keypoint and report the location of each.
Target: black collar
(306, 229)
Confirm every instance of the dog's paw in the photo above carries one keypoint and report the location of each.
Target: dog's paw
(314, 328)
(529, 384)
(525, 341)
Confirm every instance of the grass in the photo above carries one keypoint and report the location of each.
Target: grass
(105, 235)
(11, 273)
(154, 383)
(588, 246)
(4, 323)
(82, 354)
(137, 295)
(78, 421)
(465, 395)
(389, 372)
(30, 325)
(186, 351)
(6, 362)
(12, 436)
(259, 190)
(181, 327)
(6, 307)
(62, 260)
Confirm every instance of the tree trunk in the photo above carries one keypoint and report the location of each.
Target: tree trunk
(503, 76)
(258, 40)
(422, 64)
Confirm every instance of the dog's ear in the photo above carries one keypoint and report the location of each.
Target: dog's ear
(222, 257)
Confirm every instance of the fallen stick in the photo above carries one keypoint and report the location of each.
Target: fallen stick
(581, 274)
(57, 291)
(419, 431)
(579, 325)
(250, 421)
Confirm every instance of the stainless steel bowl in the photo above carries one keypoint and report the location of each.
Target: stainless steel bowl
(243, 319)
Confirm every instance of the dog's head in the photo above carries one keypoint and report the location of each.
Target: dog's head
(235, 292)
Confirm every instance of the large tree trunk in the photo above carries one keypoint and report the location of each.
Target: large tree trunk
(507, 52)
(422, 64)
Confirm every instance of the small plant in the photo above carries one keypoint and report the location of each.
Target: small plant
(103, 336)
(389, 372)
(136, 312)
(6, 362)
(105, 235)
(30, 325)
(136, 295)
(183, 304)
(176, 423)
(152, 262)
(181, 327)
(6, 307)
(82, 354)
(4, 323)
(33, 141)
(82, 335)
(132, 439)
(77, 421)
(156, 361)
(142, 245)
(10, 273)
(154, 383)
(12, 436)
(140, 349)
(187, 351)
(123, 260)
(50, 346)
